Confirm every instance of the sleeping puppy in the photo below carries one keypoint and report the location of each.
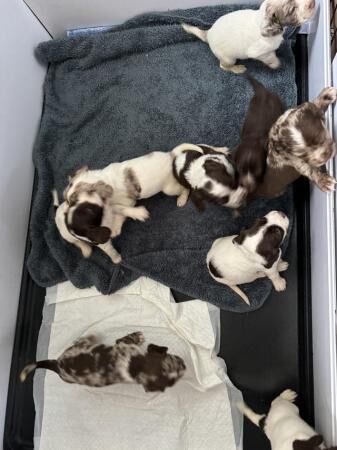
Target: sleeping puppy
(300, 144)
(283, 425)
(253, 33)
(250, 157)
(120, 185)
(89, 224)
(254, 253)
(208, 174)
(91, 363)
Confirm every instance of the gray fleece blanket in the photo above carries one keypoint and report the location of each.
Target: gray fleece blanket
(111, 96)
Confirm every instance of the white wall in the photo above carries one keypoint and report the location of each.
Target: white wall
(323, 258)
(21, 81)
(61, 15)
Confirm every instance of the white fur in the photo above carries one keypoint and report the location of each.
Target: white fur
(239, 35)
(283, 423)
(239, 264)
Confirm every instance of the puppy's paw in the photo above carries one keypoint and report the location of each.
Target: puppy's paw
(140, 213)
(289, 395)
(116, 258)
(275, 63)
(282, 266)
(326, 182)
(240, 68)
(329, 95)
(181, 201)
(280, 284)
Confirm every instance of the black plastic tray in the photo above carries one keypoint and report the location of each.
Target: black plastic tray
(241, 344)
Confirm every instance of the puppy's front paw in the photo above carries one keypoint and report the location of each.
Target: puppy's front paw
(181, 201)
(282, 266)
(329, 94)
(140, 213)
(116, 258)
(289, 395)
(326, 182)
(279, 284)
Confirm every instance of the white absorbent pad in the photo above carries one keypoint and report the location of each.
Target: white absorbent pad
(197, 413)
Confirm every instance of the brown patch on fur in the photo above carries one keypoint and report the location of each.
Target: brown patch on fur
(275, 182)
(278, 15)
(308, 444)
(259, 223)
(102, 189)
(132, 184)
(269, 247)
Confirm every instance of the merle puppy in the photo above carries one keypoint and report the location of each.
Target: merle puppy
(91, 363)
(209, 175)
(300, 144)
(251, 154)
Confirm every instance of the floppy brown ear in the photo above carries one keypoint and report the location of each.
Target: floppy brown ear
(152, 348)
(198, 200)
(309, 444)
(270, 24)
(101, 235)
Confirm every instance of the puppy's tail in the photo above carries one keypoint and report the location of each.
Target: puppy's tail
(56, 202)
(238, 291)
(257, 419)
(185, 147)
(50, 364)
(201, 34)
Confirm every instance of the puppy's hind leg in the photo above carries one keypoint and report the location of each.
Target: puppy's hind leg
(270, 59)
(229, 65)
(110, 250)
(238, 291)
(257, 419)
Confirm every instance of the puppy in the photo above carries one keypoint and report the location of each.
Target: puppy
(250, 157)
(253, 34)
(299, 144)
(254, 253)
(283, 425)
(208, 174)
(91, 363)
(120, 185)
(88, 224)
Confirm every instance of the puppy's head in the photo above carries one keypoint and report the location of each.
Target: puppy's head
(84, 221)
(157, 369)
(84, 182)
(281, 13)
(306, 136)
(265, 237)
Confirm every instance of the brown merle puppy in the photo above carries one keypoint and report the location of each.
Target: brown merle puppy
(254, 253)
(91, 363)
(300, 144)
(208, 173)
(283, 425)
(250, 157)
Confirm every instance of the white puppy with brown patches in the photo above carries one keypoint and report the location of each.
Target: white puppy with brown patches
(253, 34)
(254, 253)
(283, 425)
(97, 202)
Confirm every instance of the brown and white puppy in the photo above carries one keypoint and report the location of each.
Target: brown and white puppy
(254, 253)
(300, 144)
(119, 185)
(208, 174)
(283, 425)
(250, 157)
(253, 34)
(91, 363)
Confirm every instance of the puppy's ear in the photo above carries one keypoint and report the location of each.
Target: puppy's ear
(103, 190)
(101, 235)
(309, 444)
(152, 348)
(271, 26)
(197, 200)
(240, 237)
